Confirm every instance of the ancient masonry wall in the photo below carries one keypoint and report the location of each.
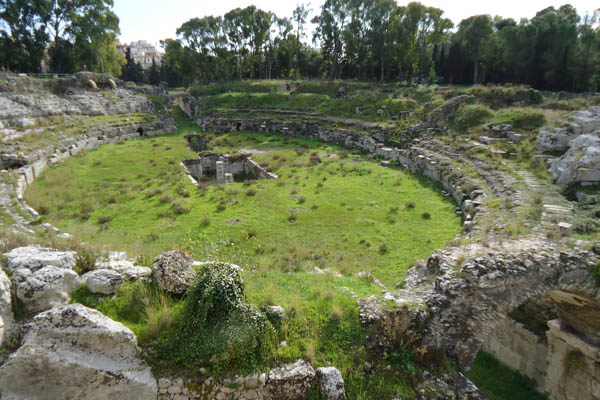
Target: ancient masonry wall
(224, 167)
(518, 348)
(463, 189)
(565, 367)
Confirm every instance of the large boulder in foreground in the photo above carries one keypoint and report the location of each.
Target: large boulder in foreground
(74, 352)
(45, 288)
(34, 258)
(6, 314)
(174, 272)
(581, 164)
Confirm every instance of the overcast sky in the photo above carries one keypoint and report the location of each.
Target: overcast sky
(153, 20)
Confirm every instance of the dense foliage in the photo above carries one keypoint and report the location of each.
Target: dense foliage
(69, 35)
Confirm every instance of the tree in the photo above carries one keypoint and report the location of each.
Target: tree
(378, 16)
(154, 74)
(23, 37)
(473, 33)
(83, 32)
(132, 71)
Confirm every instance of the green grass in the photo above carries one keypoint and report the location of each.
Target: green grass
(122, 195)
(498, 382)
(469, 116)
(520, 118)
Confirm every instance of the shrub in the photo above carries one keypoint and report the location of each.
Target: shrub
(85, 261)
(471, 115)
(410, 205)
(301, 199)
(314, 207)
(250, 234)
(314, 160)
(221, 207)
(153, 192)
(426, 215)
(521, 118)
(165, 199)
(205, 222)
(182, 191)
(293, 218)
(178, 209)
(251, 192)
(103, 219)
(218, 328)
(43, 210)
(383, 248)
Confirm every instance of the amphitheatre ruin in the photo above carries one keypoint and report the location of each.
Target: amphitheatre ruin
(269, 239)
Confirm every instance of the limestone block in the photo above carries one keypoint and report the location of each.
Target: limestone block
(103, 281)
(6, 314)
(291, 381)
(34, 258)
(173, 271)
(581, 163)
(75, 352)
(331, 383)
(47, 287)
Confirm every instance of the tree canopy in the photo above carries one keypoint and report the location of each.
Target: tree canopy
(77, 34)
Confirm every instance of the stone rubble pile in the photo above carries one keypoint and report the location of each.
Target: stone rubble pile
(287, 382)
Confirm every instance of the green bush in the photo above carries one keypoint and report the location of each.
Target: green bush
(471, 115)
(218, 329)
(521, 118)
(498, 96)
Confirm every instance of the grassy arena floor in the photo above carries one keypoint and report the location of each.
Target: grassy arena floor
(344, 213)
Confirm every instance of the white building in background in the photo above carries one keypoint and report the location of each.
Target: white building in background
(142, 52)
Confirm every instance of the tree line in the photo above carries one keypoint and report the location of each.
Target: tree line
(379, 40)
(353, 39)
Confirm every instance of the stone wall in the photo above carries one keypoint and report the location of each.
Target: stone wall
(573, 370)
(287, 382)
(518, 348)
(565, 366)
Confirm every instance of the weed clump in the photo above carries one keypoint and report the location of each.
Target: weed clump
(251, 192)
(426, 215)
(85, 261)
(104, 219)
(178, 209)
